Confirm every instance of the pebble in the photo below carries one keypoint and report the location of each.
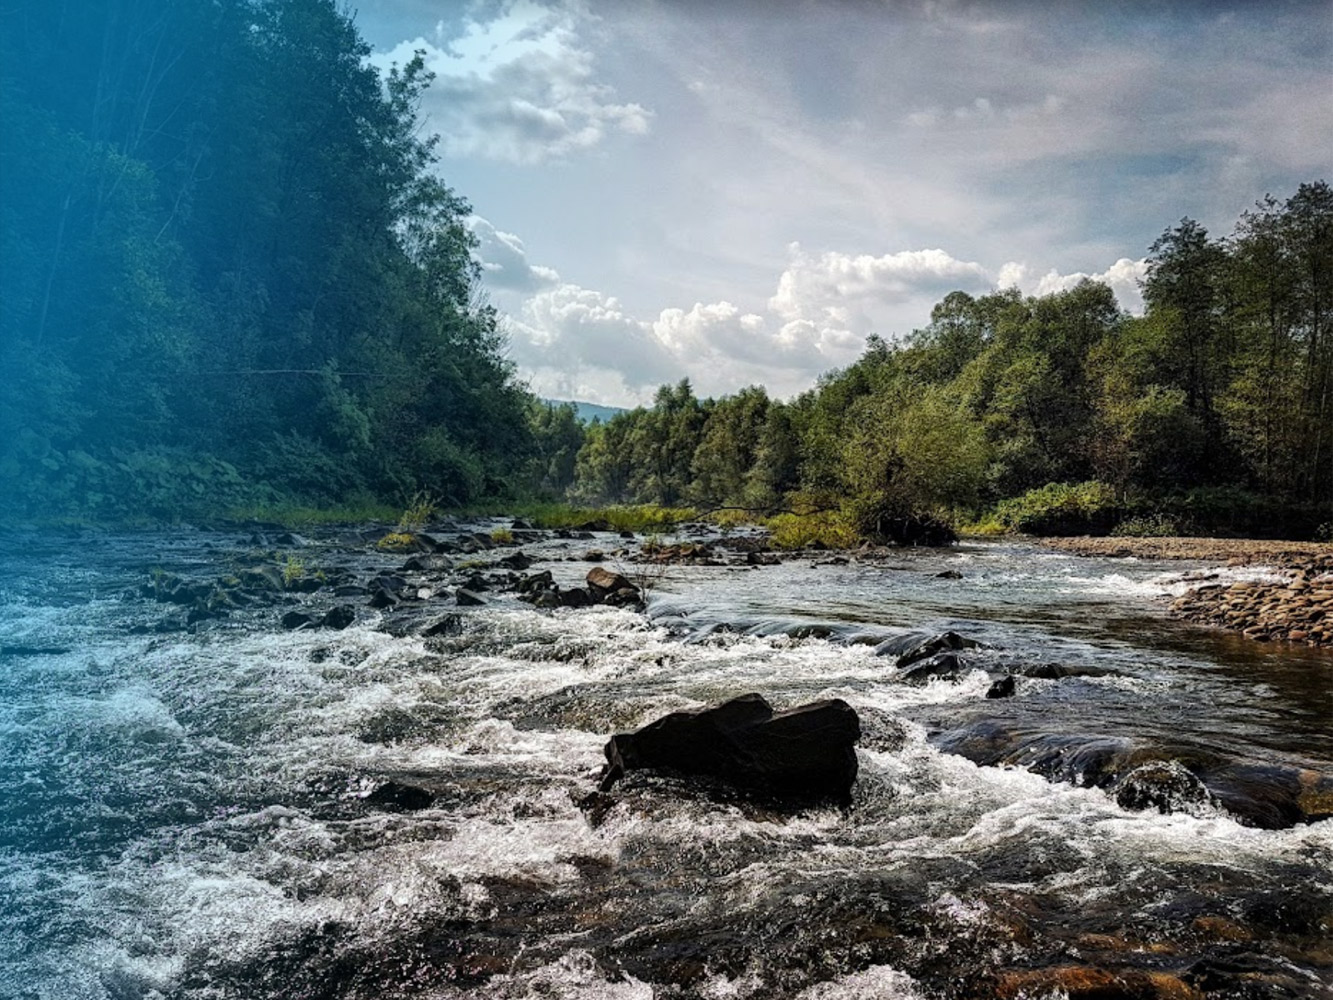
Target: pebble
(1298, 609)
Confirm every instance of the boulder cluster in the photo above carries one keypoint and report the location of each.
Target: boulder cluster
(602, 587)
(1299, 609)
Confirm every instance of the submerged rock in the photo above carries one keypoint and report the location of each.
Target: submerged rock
(948, 666)
(800, 756)
(394, 796)
(339, 617)
(1079, 982)
(448, 625)
(914, 646)
(468, 599)
(1164, 785)
(1165, 777)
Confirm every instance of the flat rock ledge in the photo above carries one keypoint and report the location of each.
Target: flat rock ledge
(1297, 610)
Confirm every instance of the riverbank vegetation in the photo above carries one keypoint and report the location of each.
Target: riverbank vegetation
(1053, 414)
(232, 275)
(234, 283)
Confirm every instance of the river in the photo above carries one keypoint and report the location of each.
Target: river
(213, 811)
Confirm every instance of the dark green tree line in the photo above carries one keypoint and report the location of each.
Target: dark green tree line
(230, 270)
(1219, 397)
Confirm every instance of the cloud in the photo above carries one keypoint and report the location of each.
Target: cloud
(519, 87)
(572, 328)
(829, 302)
(1123, 277)
(570, 339)
(504, 260)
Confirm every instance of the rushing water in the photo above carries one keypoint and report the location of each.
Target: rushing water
(193, 813)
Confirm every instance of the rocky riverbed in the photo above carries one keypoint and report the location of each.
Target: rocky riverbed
(364, 763)
(1299, 608)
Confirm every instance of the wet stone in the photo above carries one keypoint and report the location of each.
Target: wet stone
(1166, 786)
(803, 755)
(395, 796)
(339, 617)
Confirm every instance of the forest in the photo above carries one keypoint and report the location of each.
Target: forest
(232, 274)
(1211, 412)
(234, 280)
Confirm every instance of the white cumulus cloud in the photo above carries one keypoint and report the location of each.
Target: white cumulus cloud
(1123, 277)
(570, 339)
(518, 86)
(504, 260)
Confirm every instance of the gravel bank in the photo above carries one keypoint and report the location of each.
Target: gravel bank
(1234, 551)
(1297, 609)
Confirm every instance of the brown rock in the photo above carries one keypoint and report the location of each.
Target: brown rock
(1220, 929)
(1079, 982)
(602, 579)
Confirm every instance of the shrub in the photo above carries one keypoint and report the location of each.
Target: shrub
(1087, 508)
(832, 529)
(1148, 526)
(293, 569)
(396, 541)
(418, 512)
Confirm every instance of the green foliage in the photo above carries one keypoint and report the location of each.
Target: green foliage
(420, 509)
(829, 529)
(397, 541)
(239, 253)
(1088, 508)
(1148, 526)
(1224, 384)
(293, 569)
(639, 518)
(557, 436)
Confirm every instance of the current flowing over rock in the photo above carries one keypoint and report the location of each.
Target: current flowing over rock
(803, 755)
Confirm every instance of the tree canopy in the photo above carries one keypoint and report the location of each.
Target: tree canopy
(231, 267)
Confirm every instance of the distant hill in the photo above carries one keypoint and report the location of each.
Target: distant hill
(588, 411)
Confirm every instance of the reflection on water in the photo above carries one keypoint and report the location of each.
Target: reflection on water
(189, 814)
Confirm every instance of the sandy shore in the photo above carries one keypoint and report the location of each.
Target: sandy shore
(1234, 551)
(1299, 608)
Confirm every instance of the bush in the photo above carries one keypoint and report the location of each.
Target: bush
(1230, 511)
(1149, 526)
(831, 529)
(156, 484)
(1087, 508)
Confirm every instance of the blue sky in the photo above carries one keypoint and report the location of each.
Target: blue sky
(739, 193)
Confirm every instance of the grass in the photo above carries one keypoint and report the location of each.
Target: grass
(641, 518)
(986, 526)
(293, 569)
(396, 541)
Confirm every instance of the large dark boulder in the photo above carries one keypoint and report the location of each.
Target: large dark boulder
(801, 756)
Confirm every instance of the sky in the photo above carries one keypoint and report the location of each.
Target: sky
(739, 193)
